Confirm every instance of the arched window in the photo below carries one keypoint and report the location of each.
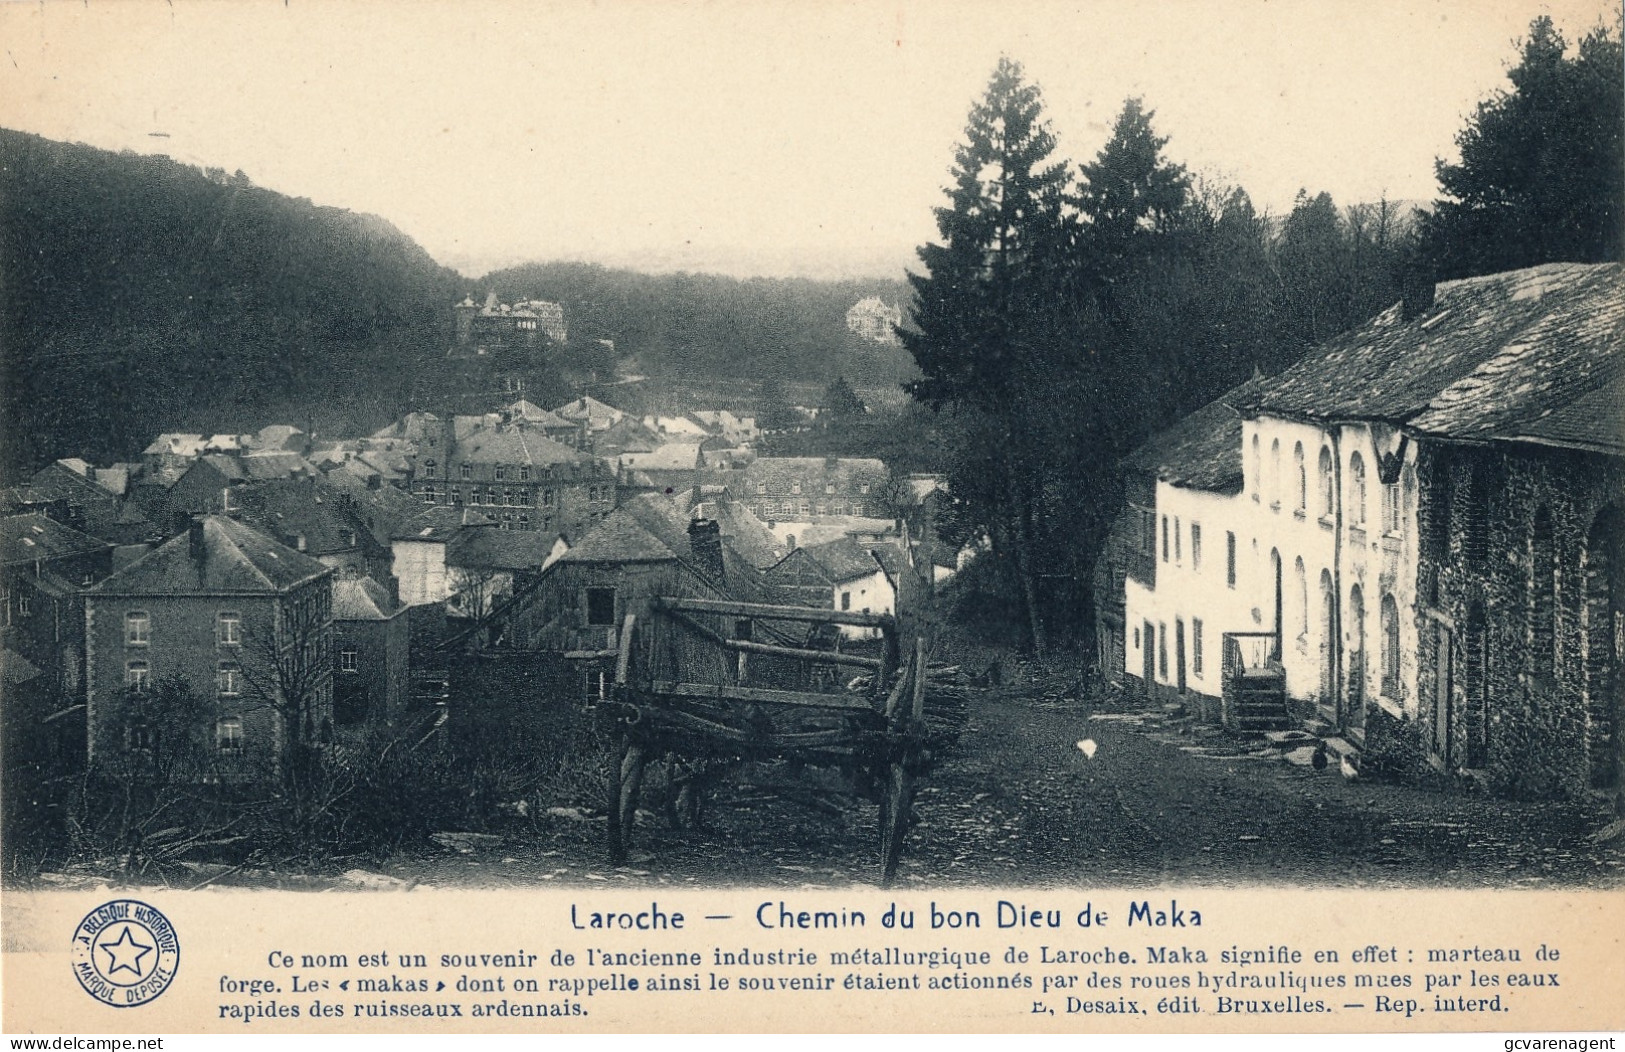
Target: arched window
(1542, 595)
(1328, 494)
(1302, 578)
(1275, 473)
(1390, 646)
(1356, 490)
(1301, 473)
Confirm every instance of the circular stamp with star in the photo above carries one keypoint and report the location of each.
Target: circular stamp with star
(125, 953)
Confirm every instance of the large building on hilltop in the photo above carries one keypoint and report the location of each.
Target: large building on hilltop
(482, 328)
(874, 320)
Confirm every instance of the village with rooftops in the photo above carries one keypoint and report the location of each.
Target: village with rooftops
(1332, 589)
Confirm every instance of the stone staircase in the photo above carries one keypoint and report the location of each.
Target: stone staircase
(1254, 685)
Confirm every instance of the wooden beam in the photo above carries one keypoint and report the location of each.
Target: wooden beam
(746, 646)
(728, 692)
(919, 677)
(623, 664)
(767, 612)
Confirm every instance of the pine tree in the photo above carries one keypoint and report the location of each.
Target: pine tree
(983, 312)
(1542, 170)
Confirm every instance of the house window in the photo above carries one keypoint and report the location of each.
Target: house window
(229, 679)
(229, 628)
(547, 498)
(1230, 559)
(228, 736)
(829, 487)
(857, 509)
(25, 604)
(761, 488)
(864, 489)
(524, 473)
(1275, 473)
(1356, 491)
(137, 628)
(456, 497)
(1393, 508)
(1148, 531)
(524, 520)
(1390, 647)
(428, 469)
(1179, 546)
(1328, 504)
(1165, 538)
(600, 606)
(1302, 474)
(1162, 651)
(140, 736)
(1258, 468)
(524, 498)
(468, 471)
(507, 498)
(501, 473)
(137, 676)
(846, 600)
(804, 508)
(349, 659)
(1196, 647)
(1196, 546)
(429, 494)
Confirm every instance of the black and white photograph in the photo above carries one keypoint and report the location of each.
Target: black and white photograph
(879, 448)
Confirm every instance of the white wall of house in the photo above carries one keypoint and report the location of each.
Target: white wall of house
(420, 567)
(872, 594)
(1305, 516)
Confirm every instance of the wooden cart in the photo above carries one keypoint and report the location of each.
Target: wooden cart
(716, 680)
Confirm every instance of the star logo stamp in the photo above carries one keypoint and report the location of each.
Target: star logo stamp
(125, 953)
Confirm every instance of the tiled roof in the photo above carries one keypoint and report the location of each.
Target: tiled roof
(1495, 357)
(534, 415)
(362, 599)
(235, 559)
(27, 539)
(1201, 451)
(646, 529)
(848, 474)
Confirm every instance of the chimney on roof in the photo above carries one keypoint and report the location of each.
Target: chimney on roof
(1416, 290)
(705, 544)
(196, 545)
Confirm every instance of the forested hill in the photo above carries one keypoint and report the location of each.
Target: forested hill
(707, 324)
(144, 295)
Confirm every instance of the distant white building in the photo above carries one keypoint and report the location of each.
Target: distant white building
(874, 320)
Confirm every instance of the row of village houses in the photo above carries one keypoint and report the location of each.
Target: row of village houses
(116, 582)
(1418, 530)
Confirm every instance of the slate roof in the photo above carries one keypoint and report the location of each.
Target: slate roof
(439, 522)
(236, 559)
(534, 415)
(845, 559)
(1502, 357)
(362, 599)
(626, 436)
(516, 445)
(176, 444)
(848, 474)
(672, 456)
(598, 415)
(501, 550)
(15, 670)
(1201, 451)
(275, 465)
(26, 539)
(649, 528)
(384, 511)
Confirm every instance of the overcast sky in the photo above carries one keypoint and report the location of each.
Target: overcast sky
(757, 138)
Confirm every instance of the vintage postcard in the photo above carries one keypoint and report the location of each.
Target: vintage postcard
(619, 517)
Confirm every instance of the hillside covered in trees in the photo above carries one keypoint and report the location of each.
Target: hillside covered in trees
(145, 295)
